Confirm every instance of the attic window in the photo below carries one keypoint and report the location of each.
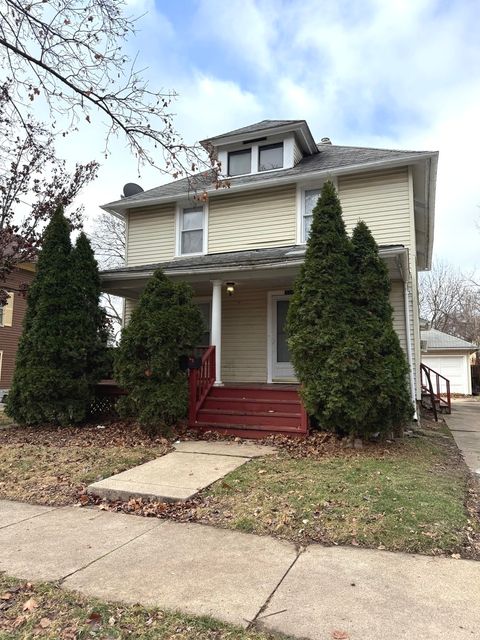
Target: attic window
(270, 156)
(239, 162)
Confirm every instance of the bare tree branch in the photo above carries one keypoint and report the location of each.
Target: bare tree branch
(33, 183)
(108, 242)
(72, 54)
(450, 301)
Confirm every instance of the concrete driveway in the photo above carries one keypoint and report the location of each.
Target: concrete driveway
(464, 423)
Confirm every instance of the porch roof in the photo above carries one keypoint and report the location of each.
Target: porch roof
(260, 262)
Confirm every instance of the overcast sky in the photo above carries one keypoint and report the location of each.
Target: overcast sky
(385, 73)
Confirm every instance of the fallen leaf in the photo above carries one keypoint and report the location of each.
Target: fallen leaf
(456, 556)
(19, 621)
(6, 596)
(94, 618)
(45, 623)
(30, 605)
(84, 499)
(340, 635)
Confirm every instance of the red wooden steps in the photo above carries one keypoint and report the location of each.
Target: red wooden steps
(252, 411)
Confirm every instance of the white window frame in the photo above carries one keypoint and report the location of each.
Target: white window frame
(288, 153)
(243, 148)
(1, 363)
(301, 188)
(271, 144)
(188, 204)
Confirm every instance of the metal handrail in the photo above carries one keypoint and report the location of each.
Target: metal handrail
(443, 397)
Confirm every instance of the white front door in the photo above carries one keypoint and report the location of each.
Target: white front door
(281, 367)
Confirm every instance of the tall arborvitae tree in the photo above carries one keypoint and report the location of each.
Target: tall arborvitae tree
(321, 314)
(165, 326)
(49, 384)
(386, 368)
(92, 323)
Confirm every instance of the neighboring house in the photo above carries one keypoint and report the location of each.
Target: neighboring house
(450, 357)
(251, 238)
(11, 321)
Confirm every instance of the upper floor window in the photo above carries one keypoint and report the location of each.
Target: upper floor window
(309, 203)
(6, 312)
(270, 156)
(191, 230)
(239, 162)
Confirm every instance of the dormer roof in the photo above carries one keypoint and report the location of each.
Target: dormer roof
(267, 127)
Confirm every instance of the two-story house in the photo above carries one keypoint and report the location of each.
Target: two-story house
(242, 248)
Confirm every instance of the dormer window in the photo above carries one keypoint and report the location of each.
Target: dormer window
(239, 162)
(270, 156)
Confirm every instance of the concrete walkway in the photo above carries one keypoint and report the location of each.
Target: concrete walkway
(179, 475)
(318, 593)
(464, 423)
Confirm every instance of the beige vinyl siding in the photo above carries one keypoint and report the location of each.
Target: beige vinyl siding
(244, 336)
(380, 199)
(130, 305)
(397, 300)
(297, 153)
(151, 235)
(251, 220)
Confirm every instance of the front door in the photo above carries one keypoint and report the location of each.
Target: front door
(282, 369)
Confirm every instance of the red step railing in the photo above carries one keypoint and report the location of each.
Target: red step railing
(200, 382)
(437, 387)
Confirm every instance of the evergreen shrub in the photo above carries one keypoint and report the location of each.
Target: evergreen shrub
(165, 326)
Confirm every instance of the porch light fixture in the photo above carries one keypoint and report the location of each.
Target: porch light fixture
(230, 288)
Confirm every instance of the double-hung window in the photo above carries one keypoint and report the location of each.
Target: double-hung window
(310, 199)
(192, 223)
(240, 162)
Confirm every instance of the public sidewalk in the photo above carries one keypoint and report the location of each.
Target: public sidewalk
(242, 578)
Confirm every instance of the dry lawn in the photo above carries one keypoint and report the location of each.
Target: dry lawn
(53, 466)
(414, 495)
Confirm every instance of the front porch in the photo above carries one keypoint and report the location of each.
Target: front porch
(246, 384)
(244, 410)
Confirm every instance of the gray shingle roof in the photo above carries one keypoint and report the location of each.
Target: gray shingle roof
(438, 340)
(328, 158)
(253, 257)
(258, 126)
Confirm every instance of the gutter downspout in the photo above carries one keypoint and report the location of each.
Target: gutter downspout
(409, 349)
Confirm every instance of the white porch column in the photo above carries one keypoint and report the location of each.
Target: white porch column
(217, 328)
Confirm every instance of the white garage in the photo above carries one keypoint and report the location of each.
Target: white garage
(449, 356)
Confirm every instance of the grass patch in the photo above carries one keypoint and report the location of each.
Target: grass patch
(45, 611)
(410, 497)
(4, 419)
(53, 466)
